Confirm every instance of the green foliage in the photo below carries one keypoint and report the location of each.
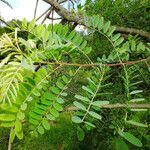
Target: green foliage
(36, 89)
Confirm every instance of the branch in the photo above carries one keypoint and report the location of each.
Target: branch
(37, 1)
(118, 105)
(90, 65)
(72, 17)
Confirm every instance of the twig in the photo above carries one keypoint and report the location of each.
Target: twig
(37, 1)
(9, 143)
(46, 16)
(118, 105)
(90, 65)
(43, 14)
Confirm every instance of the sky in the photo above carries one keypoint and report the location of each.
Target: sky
(21, 9)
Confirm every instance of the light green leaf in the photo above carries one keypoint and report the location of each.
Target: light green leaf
(136, 123)
(135, 92)
(106, 26)
(54, 112)
(46, 124)
(89, 124)
(23, 106)
(76, 119)
(79, 105)
(115, 37)
(60, 100)
(101, 22)
(7, 117)
(58, 107)
(87, 89)
(137, 99)
(130, 138)
(100, 103)
(20, 115)
(82, 98)
(111, 30)
(119, 41)
(55, 90)
(18, 126)
(95, 115)
(40, 129)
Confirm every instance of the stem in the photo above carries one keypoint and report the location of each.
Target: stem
(9, 143)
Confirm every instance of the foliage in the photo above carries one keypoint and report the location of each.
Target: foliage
(134, 14)
(39, 70)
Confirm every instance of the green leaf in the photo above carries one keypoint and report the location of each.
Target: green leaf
(63, 94)
(121, 145)
(89, 124)
(80, 134)
(31, 25)
(18, 126)
(36, 93)
(55, 90)
(50, 117)
(95, 20)
(119, 41)
(87, 89)
(137, 99)
(60, 100)
(20, 115)
(95, 115)
(100, 24)
(136, 123)
(46, 124)
(29, 99)
(60, 85)
(135, 92)
(65, 79)
(82, 98)
(23, 106)
(54, 112)
(76, 119)
(7, 124)
(19, 134)
(111, 30)
(58, 107)
(49, 96)
(100, 103)
(130, 138)
(7, 117)
(40, 129)
(106, 26)
(115, 37)
(79, 105)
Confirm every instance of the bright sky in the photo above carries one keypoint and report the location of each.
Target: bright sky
(21, 9)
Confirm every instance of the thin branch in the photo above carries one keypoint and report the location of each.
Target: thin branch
(54, 18)
(3, 21)
(46, 16)
(74, 17)
(37, 1)
(90, 65)
(118, 105)
(9, 143)
(43, 14)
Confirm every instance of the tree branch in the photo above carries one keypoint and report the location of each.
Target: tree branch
(72, 17)
(118, 105)
(35, 10)
(90, 65)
